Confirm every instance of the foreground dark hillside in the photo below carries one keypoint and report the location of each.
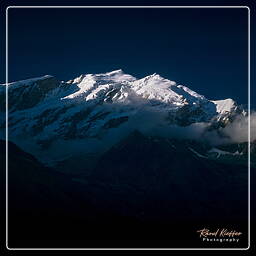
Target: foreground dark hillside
(144, 192)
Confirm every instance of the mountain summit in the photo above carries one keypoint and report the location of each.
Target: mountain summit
(92, 112)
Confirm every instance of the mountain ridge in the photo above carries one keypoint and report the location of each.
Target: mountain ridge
(56, 119)
(151, 87)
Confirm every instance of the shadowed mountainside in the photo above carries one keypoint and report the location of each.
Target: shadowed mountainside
(128, 201)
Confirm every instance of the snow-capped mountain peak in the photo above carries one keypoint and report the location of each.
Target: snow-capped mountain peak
(124, 86)
(44, 111)
(114, 86)
(224, 106)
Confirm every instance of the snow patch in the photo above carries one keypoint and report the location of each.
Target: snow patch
(27, 81)
(222, 152)
(195, 152)
(224, 106)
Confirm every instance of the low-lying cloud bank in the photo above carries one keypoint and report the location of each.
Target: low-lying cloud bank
(155, 124)
(237, 131)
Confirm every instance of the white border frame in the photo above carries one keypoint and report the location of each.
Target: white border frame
(249, 130)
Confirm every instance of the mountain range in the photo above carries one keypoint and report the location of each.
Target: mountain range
(135, 156)
(59, 121)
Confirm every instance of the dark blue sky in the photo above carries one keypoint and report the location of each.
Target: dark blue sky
(204, 49)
